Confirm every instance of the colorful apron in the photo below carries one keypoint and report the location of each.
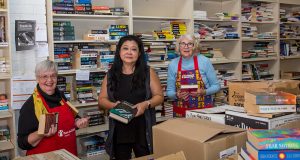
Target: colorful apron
(65, 138)
(188, 77)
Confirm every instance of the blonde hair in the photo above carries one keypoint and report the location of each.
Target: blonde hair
(189, 37)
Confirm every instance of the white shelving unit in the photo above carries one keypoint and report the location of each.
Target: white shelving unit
(290, 63)
(7, 116)
(145, 16)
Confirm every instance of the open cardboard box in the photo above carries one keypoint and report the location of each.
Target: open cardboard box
(176, 156)
(198, 139)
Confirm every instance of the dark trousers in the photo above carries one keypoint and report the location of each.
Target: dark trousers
(123, 150)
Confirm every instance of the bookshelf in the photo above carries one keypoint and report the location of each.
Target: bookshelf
(146, 16)
(7, 147)
(289, 51)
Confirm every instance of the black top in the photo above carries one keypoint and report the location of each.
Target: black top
(28, 122)
(135, 130)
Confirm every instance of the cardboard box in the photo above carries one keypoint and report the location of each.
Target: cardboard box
(238, 88)
(54, 155)
(242, 120)
(177, 156)
(198, 139)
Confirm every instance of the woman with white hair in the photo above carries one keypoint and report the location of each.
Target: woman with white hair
(191, 78)
(46, 98)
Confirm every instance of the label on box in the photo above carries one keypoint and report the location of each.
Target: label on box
(228, 152)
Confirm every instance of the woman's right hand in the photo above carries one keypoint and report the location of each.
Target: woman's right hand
(116, 103)
(182, 95)
(51, 132)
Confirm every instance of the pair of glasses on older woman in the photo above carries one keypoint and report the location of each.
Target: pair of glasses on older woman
(189, 45)
(46, 77)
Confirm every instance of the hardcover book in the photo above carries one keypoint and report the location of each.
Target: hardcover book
(123, 112)
(276, 108)
(45, 122)
(272, 154)
(189, 87)
(277, 97)
(274, 139)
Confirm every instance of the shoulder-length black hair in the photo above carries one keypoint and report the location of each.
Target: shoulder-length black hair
(139, 74)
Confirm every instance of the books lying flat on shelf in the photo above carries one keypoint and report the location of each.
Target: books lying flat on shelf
(123, 112)
(276, 139)
(45, 122)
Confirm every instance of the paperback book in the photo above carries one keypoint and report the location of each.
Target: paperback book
(274, 139)
(123, 112)
(277, 97)
(272, 154)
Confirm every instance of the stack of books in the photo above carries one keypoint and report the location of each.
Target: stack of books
(3, 65)
(3, 102)
(63, 31)
(63, 56)
(83, 7)
(96, 116)
(266, 104)
(2, 30)
(85, 91)
(118, 31)
(156, 51)
(256, 71)
(260, 50)
(63, 6)
(258, 11)
(64, 84)
(92, 145)
(272, 144)
(4, 133)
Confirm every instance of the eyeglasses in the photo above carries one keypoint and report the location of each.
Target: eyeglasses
(46, 77)
(189, 45)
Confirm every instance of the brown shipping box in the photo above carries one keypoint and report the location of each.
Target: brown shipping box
(238, 88)
(176, 156)
(198, 139)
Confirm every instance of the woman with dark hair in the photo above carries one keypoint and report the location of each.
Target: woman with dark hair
(131, 80)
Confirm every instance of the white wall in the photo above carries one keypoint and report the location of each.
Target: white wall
(23, 62)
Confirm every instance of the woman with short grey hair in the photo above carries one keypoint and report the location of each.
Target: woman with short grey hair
(47, 99)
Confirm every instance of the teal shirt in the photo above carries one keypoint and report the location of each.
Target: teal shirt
(207, 72)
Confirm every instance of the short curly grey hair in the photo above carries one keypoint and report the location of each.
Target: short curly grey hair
(189, 37)
(44, 66)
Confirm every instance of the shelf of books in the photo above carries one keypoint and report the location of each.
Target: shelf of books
(7, 123)
(93, 129)
(217, 26)
(289, 39)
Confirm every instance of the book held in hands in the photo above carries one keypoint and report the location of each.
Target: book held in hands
(189, 87)
(45, 122)
(123, 112)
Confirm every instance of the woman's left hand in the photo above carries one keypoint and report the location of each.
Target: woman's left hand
(82, 122)
(141, 107)
(199, 92)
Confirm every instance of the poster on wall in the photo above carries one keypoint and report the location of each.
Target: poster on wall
(25, 34)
